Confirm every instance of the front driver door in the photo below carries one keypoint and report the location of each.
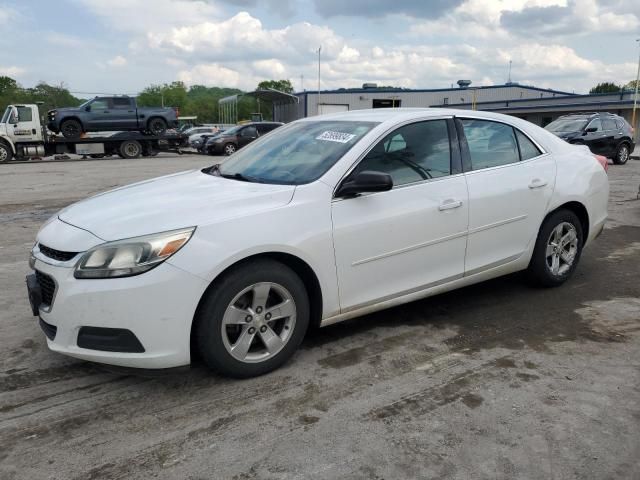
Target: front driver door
(99, 116)
(409, 238)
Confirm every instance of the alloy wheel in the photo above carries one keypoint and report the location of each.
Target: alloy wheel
(258, 322)
(623, 154)
(562, 248)
(229, 148)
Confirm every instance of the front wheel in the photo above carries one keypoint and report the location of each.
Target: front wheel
(253, 320)
(622, 154)
(71, 129)
(5, 152)
(557, 250)
(229, 149)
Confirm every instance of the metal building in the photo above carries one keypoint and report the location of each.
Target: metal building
(537, 105)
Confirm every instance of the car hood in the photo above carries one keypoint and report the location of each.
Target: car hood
(66, 109)
(174, 201)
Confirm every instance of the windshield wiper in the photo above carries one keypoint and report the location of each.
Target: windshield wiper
(238, 176)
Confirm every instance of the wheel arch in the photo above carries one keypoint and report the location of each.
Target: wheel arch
(6, 141)
(579, 210)
(73, 117)
(297, 264)
(158, 117)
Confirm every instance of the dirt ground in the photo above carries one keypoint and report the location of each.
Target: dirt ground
(498, 380)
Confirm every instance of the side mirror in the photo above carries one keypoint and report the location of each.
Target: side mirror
(590, 129)
(88, 108)
(367, 181)
(14, 118)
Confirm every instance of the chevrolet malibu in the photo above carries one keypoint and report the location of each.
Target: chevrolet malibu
(322, 220)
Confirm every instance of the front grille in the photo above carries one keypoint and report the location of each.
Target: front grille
(47, 286)
(56, 254)
(48, 329)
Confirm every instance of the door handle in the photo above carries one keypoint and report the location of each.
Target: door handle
(450, 204)
(537, 183)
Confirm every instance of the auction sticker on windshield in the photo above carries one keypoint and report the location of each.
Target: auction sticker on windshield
(336, 137)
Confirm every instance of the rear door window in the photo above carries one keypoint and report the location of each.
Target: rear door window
(491, 144)
(527, 147)
(121, 103)
(608, 124)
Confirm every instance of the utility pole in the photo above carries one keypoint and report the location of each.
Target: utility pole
(635, 95)
(319, 50)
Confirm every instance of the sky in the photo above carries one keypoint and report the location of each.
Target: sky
(122, 46)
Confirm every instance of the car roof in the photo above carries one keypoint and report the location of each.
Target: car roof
(400, 114)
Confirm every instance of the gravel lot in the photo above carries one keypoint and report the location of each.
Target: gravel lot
(497, 380)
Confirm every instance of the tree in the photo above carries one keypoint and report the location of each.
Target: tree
(281, 85)
(631, 85)
(7, 85)
(606, 87)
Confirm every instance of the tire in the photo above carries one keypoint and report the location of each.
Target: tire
(229, 149)
(130, 149)
(232, 299)
(557, 252)
(71, 129)
(622, 154)
(157, 126)
(5, 152)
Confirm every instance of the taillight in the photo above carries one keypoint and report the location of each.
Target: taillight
(603, 161)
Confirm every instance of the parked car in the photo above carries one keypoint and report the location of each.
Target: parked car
(237, 137)
(109, 114)
(201, 144)
(322, 220)
(195, 137)
(605, 134)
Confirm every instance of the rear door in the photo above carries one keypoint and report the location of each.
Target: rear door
(510, 181)
(123, 113)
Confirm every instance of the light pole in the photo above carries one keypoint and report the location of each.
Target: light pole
(319, 50)
(635, 95)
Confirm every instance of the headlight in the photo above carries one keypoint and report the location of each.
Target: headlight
(132, 256)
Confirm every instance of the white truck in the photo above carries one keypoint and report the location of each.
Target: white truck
(23, 136)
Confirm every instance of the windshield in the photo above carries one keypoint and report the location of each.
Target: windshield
(296, 154)
(232, 130)
(574, 124)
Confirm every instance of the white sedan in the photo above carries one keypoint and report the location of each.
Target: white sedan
(324, 219)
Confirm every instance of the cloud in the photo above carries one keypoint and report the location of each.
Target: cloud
(382, 8)
(214, 74)
(64, 40)
(142, 15)
(12, 71)
(584, 17)
(117, 61)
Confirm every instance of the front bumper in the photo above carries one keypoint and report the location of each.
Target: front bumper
(157, 307)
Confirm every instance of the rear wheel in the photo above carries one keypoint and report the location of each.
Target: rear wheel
(557, 250)
(130, 149)
(5, 152)
(253, 320)
(622, 154)
(157, 126)
(71, 129)
(229, 149)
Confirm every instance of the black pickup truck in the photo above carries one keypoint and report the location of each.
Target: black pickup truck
(104, 114)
